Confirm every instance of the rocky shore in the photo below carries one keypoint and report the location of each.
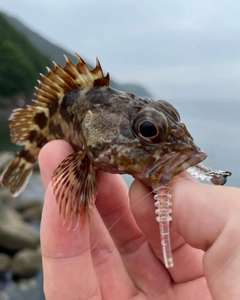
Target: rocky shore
(20, 252)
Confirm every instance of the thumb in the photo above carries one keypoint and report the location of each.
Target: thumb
(207, 217)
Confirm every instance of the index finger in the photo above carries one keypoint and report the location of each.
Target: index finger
(207, 218)
(206, 207)
(67, 261)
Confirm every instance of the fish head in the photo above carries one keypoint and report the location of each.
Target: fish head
(172, 147)
(145, 139)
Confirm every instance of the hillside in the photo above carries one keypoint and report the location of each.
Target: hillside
(20, 62)
(56, 53)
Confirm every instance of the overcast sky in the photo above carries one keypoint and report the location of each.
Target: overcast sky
(176, 49)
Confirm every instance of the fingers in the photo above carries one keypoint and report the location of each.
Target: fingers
(207, 217)
(113, 205)
(67, 262)
(71, 271)
(50, 157)
(141, 263)
(206, 207)
(112, 200)
(112, 276)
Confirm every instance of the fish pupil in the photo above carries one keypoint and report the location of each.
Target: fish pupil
(148, 129)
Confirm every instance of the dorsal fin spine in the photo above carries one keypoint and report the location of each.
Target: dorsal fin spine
(59, 81)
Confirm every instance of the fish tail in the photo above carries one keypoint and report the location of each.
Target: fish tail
(30, 125)
(18, 172)
(29, 129)
(39, 123)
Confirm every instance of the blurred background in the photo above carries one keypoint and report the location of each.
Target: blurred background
(185, 52)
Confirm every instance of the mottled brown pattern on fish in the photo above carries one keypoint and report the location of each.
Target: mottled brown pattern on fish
(110, 130)
(41, 120)
(56, 130)
(26, 154)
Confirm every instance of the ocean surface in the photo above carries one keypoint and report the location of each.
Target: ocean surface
(215, 127)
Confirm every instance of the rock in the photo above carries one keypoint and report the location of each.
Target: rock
(23, 289)
(36, 167)
(6, 197)
(5, 263)
(14, 233)
(14, 214)
(5, 158)
(27, 262)
(30, 210)
(4, 296)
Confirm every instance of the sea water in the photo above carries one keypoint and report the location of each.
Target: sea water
(215, 126)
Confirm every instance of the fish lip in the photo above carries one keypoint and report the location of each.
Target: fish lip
(177, 164)
(191, 161)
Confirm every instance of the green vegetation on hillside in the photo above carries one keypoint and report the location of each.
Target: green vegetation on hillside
(24, 54)
(56, 53)
(20, 62)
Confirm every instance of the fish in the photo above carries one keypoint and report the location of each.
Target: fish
(109, 130)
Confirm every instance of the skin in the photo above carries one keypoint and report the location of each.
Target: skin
(126, 262)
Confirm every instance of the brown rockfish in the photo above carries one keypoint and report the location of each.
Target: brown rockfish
(110, 130)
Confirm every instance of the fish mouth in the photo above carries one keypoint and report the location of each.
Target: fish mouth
(174, 165)
(189, 162)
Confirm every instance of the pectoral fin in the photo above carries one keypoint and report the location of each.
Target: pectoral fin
(75, 186)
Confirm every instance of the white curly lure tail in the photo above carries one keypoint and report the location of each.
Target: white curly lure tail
(163, 211)
(163, 205)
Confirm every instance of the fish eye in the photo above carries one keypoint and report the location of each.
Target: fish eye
(151, 126)
(147, 129)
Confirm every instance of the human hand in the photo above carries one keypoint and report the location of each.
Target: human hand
(126, 262)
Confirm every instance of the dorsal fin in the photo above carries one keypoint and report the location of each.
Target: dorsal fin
(59, 81)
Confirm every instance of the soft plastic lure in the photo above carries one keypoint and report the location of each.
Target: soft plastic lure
(163, 205)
